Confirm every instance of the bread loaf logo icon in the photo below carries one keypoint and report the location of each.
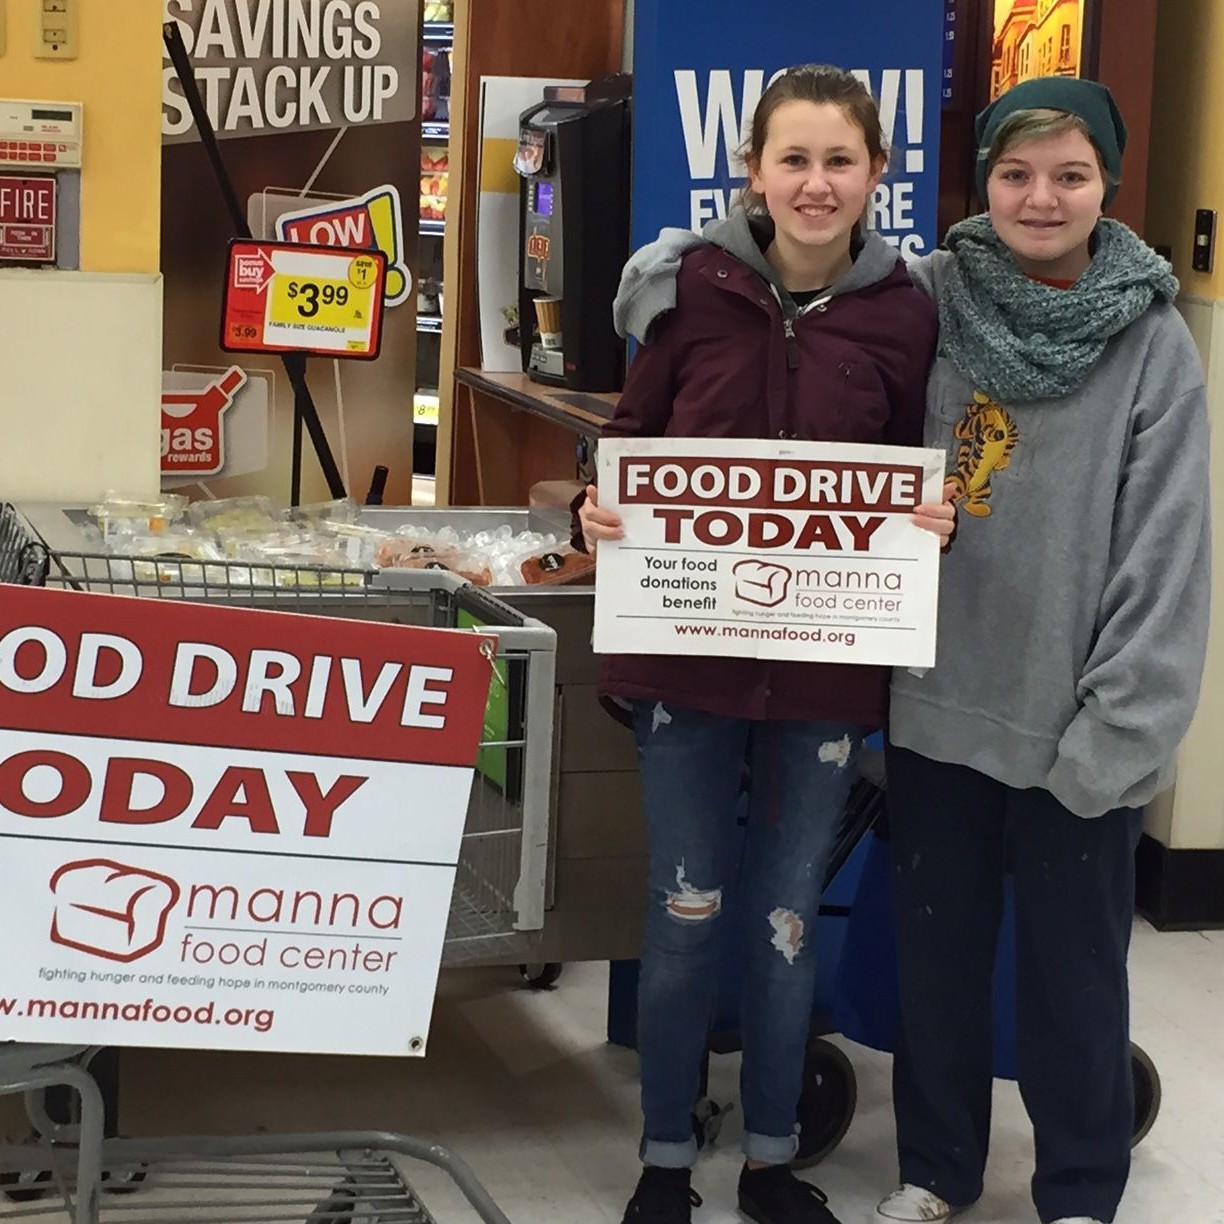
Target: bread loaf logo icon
(763, 583)
(111, 910)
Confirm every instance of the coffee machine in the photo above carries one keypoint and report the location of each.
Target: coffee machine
(573, 159)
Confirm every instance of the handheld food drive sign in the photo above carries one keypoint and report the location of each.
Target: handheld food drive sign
(803, 552)
(228, 829)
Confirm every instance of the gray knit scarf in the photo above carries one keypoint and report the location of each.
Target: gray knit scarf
(1018, 339)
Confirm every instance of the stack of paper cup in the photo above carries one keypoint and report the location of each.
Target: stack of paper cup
(548, 314)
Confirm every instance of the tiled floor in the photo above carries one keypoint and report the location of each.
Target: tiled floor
(525, 1088)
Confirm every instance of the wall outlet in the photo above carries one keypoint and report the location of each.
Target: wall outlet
(55, 29)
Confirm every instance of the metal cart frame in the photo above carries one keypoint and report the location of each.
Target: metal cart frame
(340, 1177)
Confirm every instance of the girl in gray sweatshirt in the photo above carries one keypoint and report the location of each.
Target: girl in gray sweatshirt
(1073, 619)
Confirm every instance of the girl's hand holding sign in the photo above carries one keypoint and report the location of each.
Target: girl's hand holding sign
(598, 524)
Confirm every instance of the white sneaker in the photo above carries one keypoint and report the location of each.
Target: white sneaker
(915, 1205)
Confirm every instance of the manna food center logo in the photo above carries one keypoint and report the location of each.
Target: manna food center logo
(110, 910)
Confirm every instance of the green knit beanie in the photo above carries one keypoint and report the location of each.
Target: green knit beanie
(1092, 102)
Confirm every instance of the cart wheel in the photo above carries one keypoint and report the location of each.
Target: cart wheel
(540, 977)
(708, 1119)
(1147, 1093)
(344, 1206)
(126, 1180)
(337, 1208)
(25, 1187)
(826, 1105)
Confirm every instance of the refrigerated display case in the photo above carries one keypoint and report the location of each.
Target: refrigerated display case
(437, 45)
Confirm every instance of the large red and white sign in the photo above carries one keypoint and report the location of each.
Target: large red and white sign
(796, 550)
(228, 829)
(27, 219)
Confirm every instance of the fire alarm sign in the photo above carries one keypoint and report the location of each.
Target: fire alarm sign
(27, 219)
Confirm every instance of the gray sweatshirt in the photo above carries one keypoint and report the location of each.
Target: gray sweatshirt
(1073, 605)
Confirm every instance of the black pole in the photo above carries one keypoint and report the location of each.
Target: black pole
(299, 414)
(208, 138)
(304, 410)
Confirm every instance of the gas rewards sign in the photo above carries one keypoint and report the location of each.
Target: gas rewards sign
(226, 828)
(700, 67)
(801, 551)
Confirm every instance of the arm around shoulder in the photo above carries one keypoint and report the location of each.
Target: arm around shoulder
(905, 370)
(928, 271)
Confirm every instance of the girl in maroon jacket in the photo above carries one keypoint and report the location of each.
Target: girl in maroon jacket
(785, 322)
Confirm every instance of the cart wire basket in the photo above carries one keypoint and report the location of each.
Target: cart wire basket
(71, 1172)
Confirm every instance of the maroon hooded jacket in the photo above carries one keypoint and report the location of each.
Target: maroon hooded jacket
(731, 361)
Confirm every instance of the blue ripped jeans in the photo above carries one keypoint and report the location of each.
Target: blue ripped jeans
(692, 767)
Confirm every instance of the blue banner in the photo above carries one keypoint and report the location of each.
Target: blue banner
(700, 67)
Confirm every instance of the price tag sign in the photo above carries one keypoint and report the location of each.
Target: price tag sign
(289, 297)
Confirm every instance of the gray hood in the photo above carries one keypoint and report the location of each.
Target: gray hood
(648, 282)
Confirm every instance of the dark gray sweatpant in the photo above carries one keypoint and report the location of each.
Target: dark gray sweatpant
(955, 834)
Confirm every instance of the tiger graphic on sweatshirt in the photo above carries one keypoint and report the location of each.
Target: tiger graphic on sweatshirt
(987, 434)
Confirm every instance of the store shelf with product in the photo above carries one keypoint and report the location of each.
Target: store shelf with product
(435, 187)
(438, 39)
(435, 90)
(435, 133)
(424, 444)
(425, 400)
(439, 33)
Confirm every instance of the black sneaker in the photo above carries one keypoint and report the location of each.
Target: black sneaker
(663, 1196)
(774, 1195)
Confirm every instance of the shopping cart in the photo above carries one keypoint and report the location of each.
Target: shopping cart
(499, 896)
(498, 899)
